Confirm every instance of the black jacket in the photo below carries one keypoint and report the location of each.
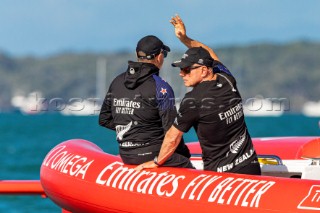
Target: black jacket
(140, 107)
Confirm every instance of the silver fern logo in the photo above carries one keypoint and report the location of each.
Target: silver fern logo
(236, 145)
(184, 56)
(122, 129)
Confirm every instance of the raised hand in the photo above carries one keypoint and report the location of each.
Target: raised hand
(180, 29)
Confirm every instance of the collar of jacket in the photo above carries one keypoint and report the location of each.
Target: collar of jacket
(139, 72)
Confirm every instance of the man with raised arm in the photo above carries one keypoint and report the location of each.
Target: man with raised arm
(213, 108)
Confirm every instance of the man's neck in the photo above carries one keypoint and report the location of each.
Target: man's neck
(210, 77)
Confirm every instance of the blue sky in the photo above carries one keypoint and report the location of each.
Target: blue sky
(44, 27)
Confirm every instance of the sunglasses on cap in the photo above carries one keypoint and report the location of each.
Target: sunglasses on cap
(165, 53)
(152, 56)
(187, 70)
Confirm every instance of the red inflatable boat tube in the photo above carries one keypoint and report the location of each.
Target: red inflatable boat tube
(79, 177)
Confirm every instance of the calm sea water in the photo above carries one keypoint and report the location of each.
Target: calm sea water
(25, 140)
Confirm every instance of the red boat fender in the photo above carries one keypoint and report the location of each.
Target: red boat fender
(79, 177)
(311, 150)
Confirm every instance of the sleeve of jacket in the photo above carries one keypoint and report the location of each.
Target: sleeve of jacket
(218, 67)
(168, 112)
(105, 116)
(166, 105)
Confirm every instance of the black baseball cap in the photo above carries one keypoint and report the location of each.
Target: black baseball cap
(194, 55)
(150, 46)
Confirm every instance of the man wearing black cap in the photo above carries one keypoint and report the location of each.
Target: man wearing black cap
(213, 108)
(140, 107)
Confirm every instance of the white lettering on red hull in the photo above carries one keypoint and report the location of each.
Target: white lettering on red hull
(216, 189)
(230, 191)
(145, 182)
(312, 200)
(67, 163)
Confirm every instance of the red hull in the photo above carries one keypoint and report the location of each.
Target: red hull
(79, 177)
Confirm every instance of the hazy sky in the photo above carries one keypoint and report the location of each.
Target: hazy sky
(44, 27)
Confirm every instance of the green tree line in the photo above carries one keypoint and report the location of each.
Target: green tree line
(290, 71)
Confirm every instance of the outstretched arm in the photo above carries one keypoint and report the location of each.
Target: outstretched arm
(180, 31)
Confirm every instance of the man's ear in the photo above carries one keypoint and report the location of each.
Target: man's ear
(158, 57)
(204, 72)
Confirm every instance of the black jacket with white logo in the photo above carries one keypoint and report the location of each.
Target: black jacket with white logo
(214, 109)
(140, 107)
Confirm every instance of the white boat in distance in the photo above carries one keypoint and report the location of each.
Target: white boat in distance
(82, 108)
(311, 109)
(29, 105)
